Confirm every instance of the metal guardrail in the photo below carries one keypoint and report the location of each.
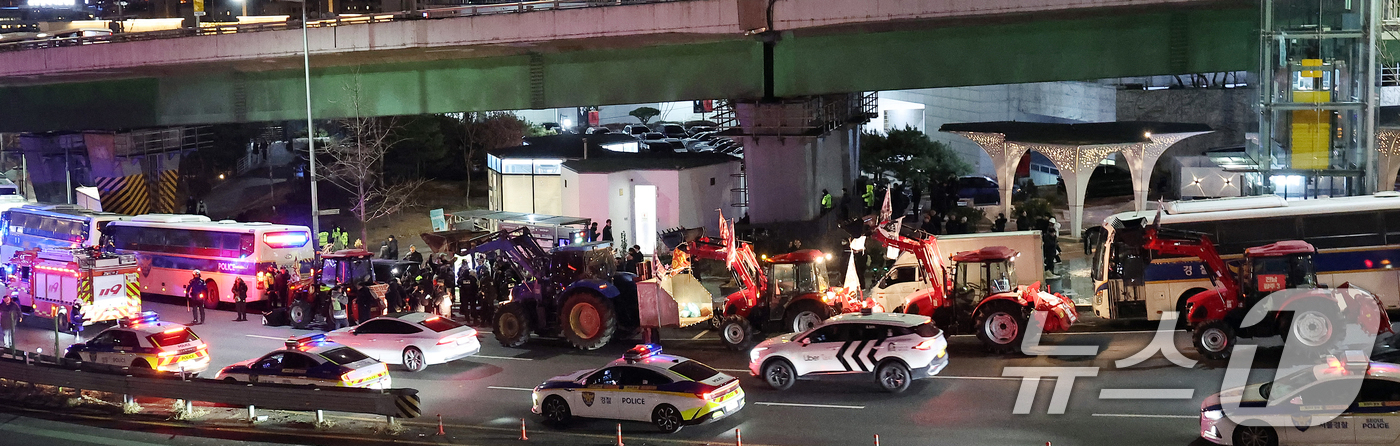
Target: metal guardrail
(207, 29)
(48, 370)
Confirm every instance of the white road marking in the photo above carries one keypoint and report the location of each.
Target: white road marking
(522, 389)
(1144, 415)
(1146, 394)
(502, 357)
(819, 406)
(267, 337)
(989, 378)
(702, 334)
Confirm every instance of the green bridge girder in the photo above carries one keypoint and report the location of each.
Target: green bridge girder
(1111, 45)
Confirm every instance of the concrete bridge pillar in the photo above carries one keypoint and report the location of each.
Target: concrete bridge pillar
(793, 149)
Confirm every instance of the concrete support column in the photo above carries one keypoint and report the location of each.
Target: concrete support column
(785, 168)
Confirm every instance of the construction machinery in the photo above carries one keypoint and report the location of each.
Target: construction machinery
(574, 291)
(1314, 318)
(980, 296)
(784, 293)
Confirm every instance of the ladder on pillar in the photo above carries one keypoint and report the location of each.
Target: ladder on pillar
(741, 193)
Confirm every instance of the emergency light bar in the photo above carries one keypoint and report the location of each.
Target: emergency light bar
(641, 351)
(286, 239)
(146, 317)
(302, 341)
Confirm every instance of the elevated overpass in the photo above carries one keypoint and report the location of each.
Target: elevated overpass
(608, 53)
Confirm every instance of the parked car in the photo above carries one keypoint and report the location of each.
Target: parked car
(698, 129)
(982, 190)
(636, 130)
(673, 131)
(660, 143)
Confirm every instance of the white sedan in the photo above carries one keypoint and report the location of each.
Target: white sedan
(413, 340)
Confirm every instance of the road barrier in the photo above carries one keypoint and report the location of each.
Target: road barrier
(52, 371)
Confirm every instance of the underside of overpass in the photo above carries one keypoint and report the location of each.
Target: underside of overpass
(995, 50)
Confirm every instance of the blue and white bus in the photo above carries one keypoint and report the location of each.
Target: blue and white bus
(51, 226)
(169, 248)
(1357, 241)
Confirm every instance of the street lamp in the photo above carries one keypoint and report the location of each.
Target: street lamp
(310, 127)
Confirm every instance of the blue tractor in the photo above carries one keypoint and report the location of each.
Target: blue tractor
(574, 292)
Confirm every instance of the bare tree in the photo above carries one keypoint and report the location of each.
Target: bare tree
(357, 166)
(482, 131)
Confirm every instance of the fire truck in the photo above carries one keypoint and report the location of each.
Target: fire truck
(60, 282)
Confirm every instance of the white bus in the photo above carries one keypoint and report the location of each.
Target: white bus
(51, 226)
(169, 248)
(1357, 241)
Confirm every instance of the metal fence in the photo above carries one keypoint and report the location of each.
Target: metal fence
(48, 370)
(211, 29)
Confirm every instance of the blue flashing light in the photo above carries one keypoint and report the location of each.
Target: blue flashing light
(641, 351)
(287, 239)
(305, 340)
(146, 317)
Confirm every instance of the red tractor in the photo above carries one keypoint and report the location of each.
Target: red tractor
(784, 293)
(1314, 319)
(981, 296)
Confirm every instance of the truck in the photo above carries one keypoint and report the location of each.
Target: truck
(1311, 317)
(786, 293)
(981, 296)
(574, 291)
(906, 277)
(59, 283)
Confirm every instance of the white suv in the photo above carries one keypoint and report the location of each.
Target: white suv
(897, 348)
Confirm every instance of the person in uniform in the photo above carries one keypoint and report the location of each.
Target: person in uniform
(240, 299)
(284, 286)
(470, 297)
(195, 293)
(10, 315)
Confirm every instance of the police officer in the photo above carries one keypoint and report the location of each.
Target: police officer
(471, 300)
(195, 293)
(240, 299)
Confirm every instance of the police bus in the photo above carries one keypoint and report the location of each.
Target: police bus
(51, 226)
(169, 248)
(1357, 240)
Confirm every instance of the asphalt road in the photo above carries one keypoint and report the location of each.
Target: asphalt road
(483, 398)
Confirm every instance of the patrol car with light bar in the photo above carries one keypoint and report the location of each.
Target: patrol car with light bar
(1345, 401)
(896, 348)
(644, 385)
(312, 360)
(145, 342)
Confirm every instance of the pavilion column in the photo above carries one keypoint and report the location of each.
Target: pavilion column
(1005, 158)
(1142, 158)
(1387, 157)
(1076, 164)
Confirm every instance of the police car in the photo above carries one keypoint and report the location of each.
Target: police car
(645, 385)
(145, 342)
(313, 360)
(1342, 402)
(896, 347)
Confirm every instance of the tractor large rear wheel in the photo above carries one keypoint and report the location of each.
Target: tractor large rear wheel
(512, 325)
(1001, 326)
(1214, 340)
(804, 315)
(588, 320)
